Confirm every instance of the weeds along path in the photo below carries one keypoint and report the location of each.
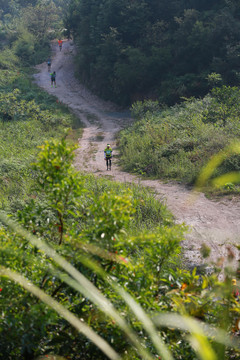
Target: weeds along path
(217, 224)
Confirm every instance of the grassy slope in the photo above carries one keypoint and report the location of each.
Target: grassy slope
(21, 133)
(175, 143)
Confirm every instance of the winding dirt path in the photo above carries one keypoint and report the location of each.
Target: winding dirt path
(215, 223)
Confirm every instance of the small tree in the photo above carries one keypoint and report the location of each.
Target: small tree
(40, 18)
(214, 79)
(58, 182)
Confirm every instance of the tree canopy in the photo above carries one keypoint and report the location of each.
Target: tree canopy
(130, 50)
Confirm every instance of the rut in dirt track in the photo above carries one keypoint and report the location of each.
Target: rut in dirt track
(215, 223)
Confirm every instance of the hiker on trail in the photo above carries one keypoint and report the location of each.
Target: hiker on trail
(49, 64)
(108, 156)
(60, 42)
(53, 79)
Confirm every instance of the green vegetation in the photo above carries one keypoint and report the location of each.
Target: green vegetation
(88, 264)
(113, 258)
(28, 116)
(175, 143)
(28, 26)
(131, 50)
(21, 123)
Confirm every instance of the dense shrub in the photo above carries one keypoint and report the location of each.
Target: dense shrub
(130, 51)
(24, 47)
(175, 143)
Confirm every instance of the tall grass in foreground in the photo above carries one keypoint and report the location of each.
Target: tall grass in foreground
(198, 332)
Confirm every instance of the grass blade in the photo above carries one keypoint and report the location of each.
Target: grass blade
(197, 328)
(141, 315)
(66, 314)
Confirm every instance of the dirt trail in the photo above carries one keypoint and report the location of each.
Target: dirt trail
(215, 223)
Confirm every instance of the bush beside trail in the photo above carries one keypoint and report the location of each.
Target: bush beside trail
(175, 143)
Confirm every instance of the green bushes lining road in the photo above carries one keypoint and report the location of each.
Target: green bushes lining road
(175, 143)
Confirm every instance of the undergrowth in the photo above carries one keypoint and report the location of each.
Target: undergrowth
(175, 143)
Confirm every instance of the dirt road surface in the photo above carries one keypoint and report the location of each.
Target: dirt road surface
(217, 224)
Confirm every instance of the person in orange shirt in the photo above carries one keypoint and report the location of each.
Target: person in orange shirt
(60, 42)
